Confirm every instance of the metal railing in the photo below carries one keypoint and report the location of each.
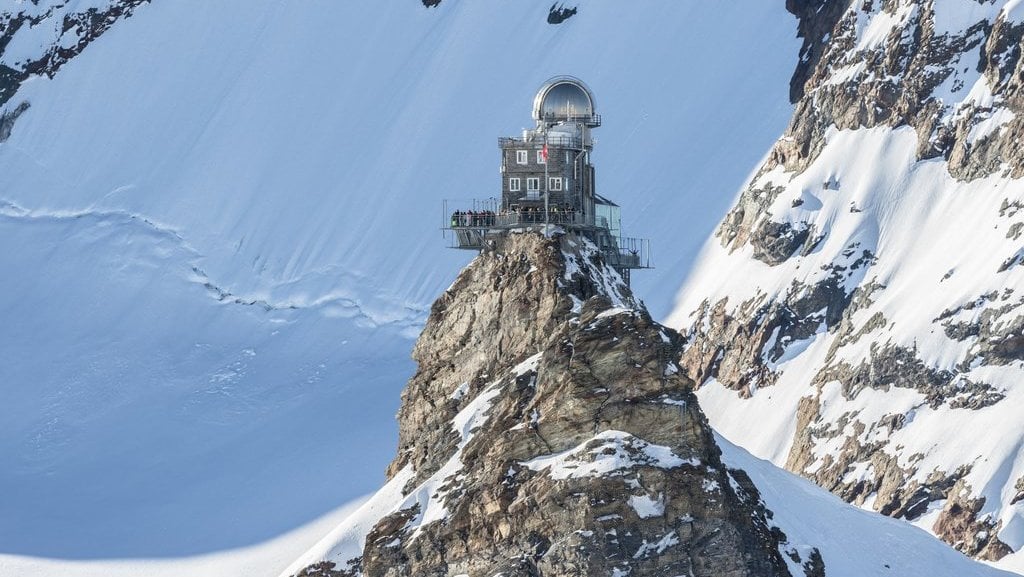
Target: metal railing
(630, 253)
(560, 141)
(592, 119)
(489, 213)
(482, 217)
(511, 219)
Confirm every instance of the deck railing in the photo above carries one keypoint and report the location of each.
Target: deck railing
(630, 253)
(489, 213)
(554, 141)
(510, 219)
(483, 217)
(593, 119)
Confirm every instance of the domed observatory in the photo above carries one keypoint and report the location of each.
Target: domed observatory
(547, 179)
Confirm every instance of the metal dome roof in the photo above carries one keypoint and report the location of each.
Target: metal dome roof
(564, 98)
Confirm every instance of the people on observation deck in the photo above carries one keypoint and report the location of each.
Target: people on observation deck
(557, 214)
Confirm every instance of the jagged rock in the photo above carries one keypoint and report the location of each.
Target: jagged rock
(913, 76)
(548, 431)
(816, 19)
(895, 366)
(735, 231)
(1020, 492)
(79, 28)
(895, 84)
(7, 120)
(996, 330)
(896, 489)
(1015, 230)
(558, 13)
(895, 493)
(327, 569)
(774, 242)
(960, 524)
(1009, 208)
(738, 348)
(814, 566)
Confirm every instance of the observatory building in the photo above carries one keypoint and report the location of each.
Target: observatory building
(547, 179)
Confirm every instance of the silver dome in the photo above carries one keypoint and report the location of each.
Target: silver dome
(564, 98)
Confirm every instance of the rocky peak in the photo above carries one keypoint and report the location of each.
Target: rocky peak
(905, 134)
(548, 431)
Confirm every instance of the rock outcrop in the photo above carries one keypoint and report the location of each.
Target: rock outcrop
(68, 28)
(938, 84)
(549, 432)
(904, 74)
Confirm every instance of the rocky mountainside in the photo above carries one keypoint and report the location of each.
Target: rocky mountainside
(40, 36)
(547, 431)
(862, 301)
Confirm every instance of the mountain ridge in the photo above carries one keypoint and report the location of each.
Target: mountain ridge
(877, 242)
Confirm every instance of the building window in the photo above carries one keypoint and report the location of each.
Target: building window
(533, 183)
(540, 157)
(513, 184)
(554, 183)
(521, 157)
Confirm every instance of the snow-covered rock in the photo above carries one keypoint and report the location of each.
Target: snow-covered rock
(573, 453)
(563, 458)
(858, 316)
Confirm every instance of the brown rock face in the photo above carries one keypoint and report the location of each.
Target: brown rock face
(548, 432)
(893, 83)
(911, 75)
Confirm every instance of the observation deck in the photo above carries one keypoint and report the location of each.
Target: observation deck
(475, 222)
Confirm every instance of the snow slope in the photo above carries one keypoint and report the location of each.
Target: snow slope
(145, 417)
(274, 121)
(221, 221)
(853, 542)
(930, 260)
(265, 558)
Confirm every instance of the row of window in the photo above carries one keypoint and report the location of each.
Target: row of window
(533, 183)
(522, 157)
